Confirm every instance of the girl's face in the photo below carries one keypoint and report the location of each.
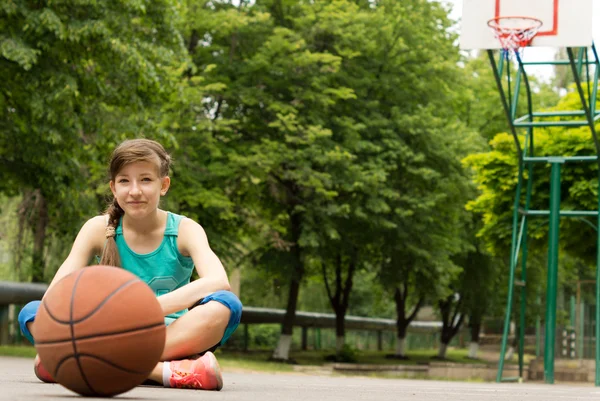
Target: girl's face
(138, 188)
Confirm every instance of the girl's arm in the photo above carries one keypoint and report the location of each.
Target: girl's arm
(192, 241)
(86, 245)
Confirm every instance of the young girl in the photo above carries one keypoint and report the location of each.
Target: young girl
(161, 248)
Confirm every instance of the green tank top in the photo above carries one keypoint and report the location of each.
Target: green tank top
(165, 269)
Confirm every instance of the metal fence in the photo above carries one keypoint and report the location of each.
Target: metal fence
(421, 334)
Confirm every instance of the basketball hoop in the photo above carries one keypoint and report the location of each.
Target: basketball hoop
(515, 33)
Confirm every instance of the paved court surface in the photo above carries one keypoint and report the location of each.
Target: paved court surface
(17, 382)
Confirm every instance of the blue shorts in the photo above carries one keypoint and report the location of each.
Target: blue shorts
(227, 298)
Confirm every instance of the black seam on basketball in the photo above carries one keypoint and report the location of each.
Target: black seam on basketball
(95, 309)
(109, 296)
(151, 326)
(51, 315)
(75, 354)
(106, 361)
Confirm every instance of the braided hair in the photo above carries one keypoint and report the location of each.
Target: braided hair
(129, 151)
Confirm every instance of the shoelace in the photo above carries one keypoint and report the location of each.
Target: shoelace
(186, 379)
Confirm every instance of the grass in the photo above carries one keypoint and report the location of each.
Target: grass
(317, 358)
(259, 360)
(17, 350)
(226, 360)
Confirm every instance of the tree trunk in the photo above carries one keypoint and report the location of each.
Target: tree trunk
(401, 347)
(340, 331)
(341, 298)
(475, 329)
(473, 348)
(20, 241)
(442, 350)
(514, 344)
(40, 224)
(290, 310)
(33, 215)
(402, 320)
(450, 324)
(282, 351)
(339, 344)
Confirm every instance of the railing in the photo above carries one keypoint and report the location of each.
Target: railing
(21, 293)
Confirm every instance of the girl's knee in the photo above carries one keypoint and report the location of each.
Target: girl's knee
(29, 311)
(229, 299)
(27, 315)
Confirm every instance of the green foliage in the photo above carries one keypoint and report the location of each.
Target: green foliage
(8, 236)
(496, 175)
(265, 336)
(346, 355)
(301, 133)
(77, 78)
(480, 106)
(424, 144)
(292, 132)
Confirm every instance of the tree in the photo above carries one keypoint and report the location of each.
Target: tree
(478, 291)
(426, 141)
(270, 80)
(496, 175)
(320, 126)
(75, 76)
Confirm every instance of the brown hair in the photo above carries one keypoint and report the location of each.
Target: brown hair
(129, 151)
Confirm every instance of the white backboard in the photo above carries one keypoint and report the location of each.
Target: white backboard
(566, 23)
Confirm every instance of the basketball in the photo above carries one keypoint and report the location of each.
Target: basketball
(100, 331)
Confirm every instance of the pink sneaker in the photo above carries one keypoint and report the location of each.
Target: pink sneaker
(41, 372)
(202, 373)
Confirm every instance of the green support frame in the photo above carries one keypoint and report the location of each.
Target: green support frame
(578, 59)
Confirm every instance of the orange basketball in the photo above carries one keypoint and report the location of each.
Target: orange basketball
(100, 331)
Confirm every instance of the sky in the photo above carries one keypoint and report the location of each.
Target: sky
(533, 53)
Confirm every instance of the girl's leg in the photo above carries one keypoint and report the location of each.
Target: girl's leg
(197, 331)
(26, 318)
(203, 327)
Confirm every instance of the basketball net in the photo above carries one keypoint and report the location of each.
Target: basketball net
(515, 33)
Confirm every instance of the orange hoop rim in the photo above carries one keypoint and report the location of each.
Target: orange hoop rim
(494, 22)
(517, 36)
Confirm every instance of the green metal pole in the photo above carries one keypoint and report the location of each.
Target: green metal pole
(594, 90)
(552, 273)
(538, 330)
(529, 150)
(497, 70)
(572, 348)
(591, 121)
(597, 381)
(572, 313)
(524, 266)
(581, 336)
(511, 275)
(523, 307)
(514, 256)
(515, 100)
